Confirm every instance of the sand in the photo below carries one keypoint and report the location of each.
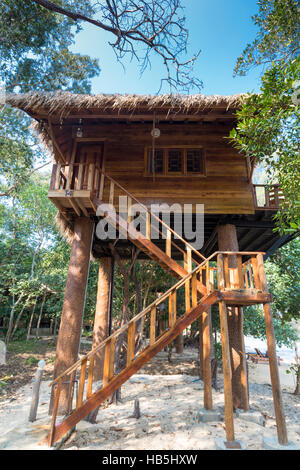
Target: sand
(169, 406)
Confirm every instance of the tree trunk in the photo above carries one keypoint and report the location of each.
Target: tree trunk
(227, 239)
(179, 343)
(11, 318)
(297, 389)
(17, 320)
(40, 316)
(102, 314)
(68, 341)
(31, 320)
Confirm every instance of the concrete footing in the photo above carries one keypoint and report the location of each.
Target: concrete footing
(271, 443)
(206, 416)
(253, 416)
(235, 445)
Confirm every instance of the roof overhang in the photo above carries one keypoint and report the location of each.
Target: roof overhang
(65, 106)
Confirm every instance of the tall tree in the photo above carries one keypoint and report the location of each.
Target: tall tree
(269, 122)
(35, 49)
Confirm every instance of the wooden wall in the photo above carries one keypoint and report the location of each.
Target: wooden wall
(224, 189)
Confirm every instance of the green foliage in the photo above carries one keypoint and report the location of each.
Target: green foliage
(293, 369)
(283, 274)
(218, 352)
(269, 122)
(31, 361)
(254, 325)
(278, 36)
(35, 48)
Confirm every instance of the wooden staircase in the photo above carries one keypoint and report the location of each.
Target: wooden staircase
(217, 282)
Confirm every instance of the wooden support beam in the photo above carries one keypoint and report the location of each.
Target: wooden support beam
(229, 425)
(56, 146)
(244, 378)
(206, 325)
(277, 396)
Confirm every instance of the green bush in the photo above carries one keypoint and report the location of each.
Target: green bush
(31, 361)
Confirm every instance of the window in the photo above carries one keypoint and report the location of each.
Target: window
(158, 161)
(194, 161)
(171, 161)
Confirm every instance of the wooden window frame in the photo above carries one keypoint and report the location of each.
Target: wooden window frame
(166, 173)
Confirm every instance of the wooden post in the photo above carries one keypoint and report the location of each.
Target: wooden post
(227, 373)
(277, 396)
(101, 322)
(244, 378)
(206, 325)
(200, 331)
(68, 340)
(36, 391)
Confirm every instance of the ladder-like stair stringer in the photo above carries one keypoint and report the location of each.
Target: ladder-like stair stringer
(151, 250)
(137, 363)
(107, 196)
(243, 285)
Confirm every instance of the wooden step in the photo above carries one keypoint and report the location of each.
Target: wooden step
(137, 363)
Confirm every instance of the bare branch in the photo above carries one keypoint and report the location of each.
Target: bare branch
(142, 27)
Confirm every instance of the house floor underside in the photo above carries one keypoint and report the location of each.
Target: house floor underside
(255, 232)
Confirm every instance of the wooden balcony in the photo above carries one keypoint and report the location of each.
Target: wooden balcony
(267, 197)
(74, 186)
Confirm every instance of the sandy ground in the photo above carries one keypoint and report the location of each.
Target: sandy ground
(169, 406)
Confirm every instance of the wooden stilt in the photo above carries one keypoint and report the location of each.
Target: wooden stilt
(227, 373)
(101, 322)
(71, 320)
(206, 323)
(227, 241)
(244, 378)
(277, 397)
(200, 330)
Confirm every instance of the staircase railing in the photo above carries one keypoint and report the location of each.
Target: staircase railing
(221, 271)
(89, 176)
(107, 194)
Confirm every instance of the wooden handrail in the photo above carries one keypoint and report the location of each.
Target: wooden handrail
(152, 214)
(155, 303)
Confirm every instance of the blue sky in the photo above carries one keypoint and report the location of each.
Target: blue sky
(220, 28)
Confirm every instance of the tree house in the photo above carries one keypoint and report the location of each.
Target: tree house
(155, 150)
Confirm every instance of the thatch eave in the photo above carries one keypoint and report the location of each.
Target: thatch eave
(62, 104)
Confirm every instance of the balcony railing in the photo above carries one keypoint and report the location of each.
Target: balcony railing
(268, 197)
(76, 176)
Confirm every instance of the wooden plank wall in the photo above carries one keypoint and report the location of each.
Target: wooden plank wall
(224, 189)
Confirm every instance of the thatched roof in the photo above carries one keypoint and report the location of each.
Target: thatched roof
(62, 103)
